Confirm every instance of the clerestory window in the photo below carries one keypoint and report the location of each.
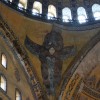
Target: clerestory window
(51, 12)
(22, 4)
(81, 15)
(66, 15)
(96, 11)
(37, 8)
(2, 82)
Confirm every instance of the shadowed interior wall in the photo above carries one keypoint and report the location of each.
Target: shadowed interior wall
(15, 74)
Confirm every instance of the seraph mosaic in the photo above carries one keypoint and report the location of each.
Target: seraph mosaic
(51, 54)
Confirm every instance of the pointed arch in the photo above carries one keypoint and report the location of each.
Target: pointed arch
(96, 11)
(81, 15)
(52, 12)
(37, 8)
(66, 15)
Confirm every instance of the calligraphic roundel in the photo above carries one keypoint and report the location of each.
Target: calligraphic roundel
(51, 54)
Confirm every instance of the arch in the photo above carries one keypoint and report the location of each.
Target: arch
(81, 15)
(22, 4)
(3, 82)
(96, 11)
(37, 8)
(66, 15)
(80, 64)
(18, 95)
(51, 12)
(4, 60)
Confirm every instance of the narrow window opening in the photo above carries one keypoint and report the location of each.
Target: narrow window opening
(4, 60)
(3, 82)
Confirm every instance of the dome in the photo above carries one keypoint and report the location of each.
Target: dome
(50, 50)
(62, 12)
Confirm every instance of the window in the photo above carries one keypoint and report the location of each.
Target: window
(18, 95)
(96, 11)
(51, 12)
(22, 4)
(66, 15)
(37, 8)
(35, 12)
(2, 82)
(82, 16)
(8, 1)
(4, 60)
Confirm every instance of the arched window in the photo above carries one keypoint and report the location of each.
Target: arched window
(66, 14)
(4, 60)
(37, 8)
(18, 95)
(82, 16)
(51, 12)
(96, 11)
(3, 82)
(22, 4)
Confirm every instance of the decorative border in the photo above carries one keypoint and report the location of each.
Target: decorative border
(73, 86)
(76, 90)
(91, 92)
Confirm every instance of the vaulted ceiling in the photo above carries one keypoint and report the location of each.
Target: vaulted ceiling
(40, 35)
